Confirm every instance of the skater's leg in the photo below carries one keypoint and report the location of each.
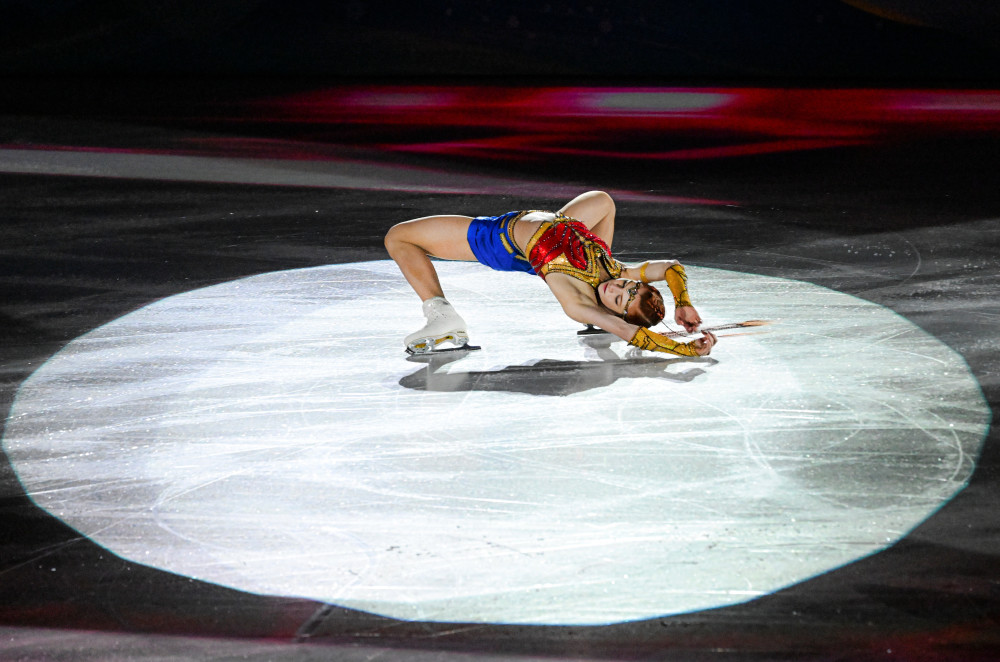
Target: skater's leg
(596, 210)
(411, 245)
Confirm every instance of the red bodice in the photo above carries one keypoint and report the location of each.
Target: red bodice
(568, 246)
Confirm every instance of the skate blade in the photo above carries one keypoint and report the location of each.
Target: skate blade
(591, 330)
(433, 345)
(453, 352)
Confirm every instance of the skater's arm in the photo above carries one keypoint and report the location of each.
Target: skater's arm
(650, 270)
(673, 273)
(639, 336)
(670, 271)
(590, 313)
(581, 309)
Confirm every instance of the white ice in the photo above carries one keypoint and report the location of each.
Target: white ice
(268, 434)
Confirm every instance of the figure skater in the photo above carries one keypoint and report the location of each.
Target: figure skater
(570, 249)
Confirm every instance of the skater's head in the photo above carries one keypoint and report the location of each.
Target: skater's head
(647, 310)
(635, 302)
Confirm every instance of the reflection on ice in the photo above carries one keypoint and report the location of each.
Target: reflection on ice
(269, 434)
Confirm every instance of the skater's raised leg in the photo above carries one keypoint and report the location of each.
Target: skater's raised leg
(596, 210)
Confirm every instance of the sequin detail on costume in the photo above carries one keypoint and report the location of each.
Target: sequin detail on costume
(567, 246)
(650, 340)
(677, 280)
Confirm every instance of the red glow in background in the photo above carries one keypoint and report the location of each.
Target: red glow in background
(520, 125)
(525, 123)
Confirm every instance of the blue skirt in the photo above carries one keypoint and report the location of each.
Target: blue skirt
(491, 243)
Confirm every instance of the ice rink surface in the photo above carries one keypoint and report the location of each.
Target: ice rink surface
(268, 434)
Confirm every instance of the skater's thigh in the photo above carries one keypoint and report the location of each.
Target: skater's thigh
(590, 208)
(445, 237)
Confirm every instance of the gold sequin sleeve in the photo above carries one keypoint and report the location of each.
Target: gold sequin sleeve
(646, 339)
(677, 282)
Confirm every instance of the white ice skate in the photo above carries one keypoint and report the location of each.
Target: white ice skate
(444, 325)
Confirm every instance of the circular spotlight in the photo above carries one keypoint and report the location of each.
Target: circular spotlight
(270, 435)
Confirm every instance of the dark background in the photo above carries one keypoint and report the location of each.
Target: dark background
(828, 41)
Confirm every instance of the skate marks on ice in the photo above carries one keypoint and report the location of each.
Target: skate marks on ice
(256, 434)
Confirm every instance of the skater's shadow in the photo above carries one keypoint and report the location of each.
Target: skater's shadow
(551, 377)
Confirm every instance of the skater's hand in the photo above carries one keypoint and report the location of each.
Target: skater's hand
(687, 317)
(703, 346)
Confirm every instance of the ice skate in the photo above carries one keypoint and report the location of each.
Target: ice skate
(590, 330)
(444, 325)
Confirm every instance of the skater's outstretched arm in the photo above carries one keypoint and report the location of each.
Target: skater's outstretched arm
(580, 308)
(673, 273)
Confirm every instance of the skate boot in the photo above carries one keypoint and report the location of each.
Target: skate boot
(443, 325)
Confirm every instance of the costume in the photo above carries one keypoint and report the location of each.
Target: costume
(677, 281)
(567, 246)
(491, 242)
(654, 342)
(563, 245)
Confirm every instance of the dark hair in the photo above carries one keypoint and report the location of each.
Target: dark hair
(649, 310)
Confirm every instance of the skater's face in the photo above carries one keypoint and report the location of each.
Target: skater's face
(618, 295)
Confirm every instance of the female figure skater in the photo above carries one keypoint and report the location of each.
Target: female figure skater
(569, 249)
